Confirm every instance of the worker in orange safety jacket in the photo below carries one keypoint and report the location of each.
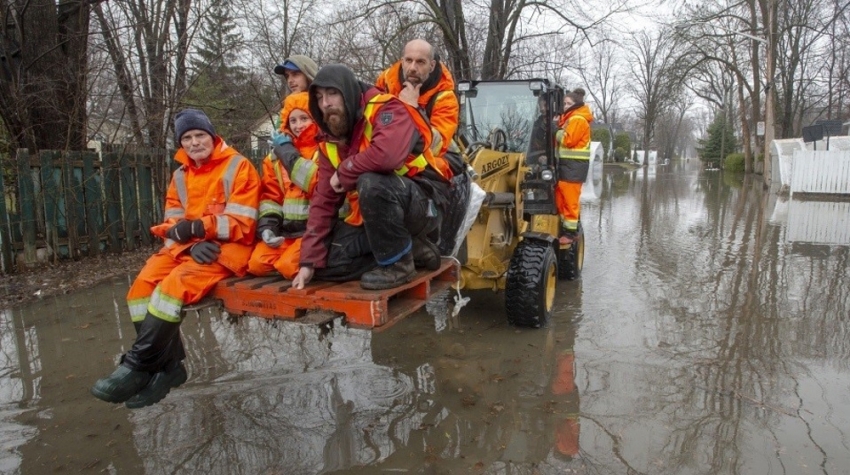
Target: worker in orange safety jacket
(289, 176)
(421, 80)
(209, 224)
(573, 140)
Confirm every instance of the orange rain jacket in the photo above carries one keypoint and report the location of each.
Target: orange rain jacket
(438, 101)
(573, 140)
(284, 195)
(223, 193)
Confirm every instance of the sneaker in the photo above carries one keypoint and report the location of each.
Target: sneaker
(159, 387)
(121, 385)
(388, 277)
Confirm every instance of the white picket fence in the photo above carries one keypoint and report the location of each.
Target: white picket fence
(820, 172)
(818, 222)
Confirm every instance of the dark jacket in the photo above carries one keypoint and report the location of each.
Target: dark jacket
(393, 138)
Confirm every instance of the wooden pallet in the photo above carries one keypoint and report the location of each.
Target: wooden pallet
(319, 302)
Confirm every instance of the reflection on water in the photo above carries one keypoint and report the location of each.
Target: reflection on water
(700, 339)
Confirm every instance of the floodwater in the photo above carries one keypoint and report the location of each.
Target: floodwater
(708, 335)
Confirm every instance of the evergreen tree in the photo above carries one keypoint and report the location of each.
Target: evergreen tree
(720, 142)
(219, 85)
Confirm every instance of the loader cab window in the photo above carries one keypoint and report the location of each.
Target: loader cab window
(509, 107)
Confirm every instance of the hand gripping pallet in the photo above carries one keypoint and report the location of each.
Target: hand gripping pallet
(319, 302)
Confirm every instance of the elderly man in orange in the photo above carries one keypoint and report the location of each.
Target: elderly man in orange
(421, 80)
(289, 176)
(210, 219)
(573, 140)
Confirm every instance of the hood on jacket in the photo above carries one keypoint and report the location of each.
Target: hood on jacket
(298, 100)
(220, 151)
(301, 63)
(580, 109)
(439, 74)
(342, 79)
(392, 81)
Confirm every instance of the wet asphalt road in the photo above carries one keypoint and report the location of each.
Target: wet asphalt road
(708, 335)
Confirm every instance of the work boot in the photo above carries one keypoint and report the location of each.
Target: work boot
(425, 253)
(121, 385)
(157, 343)
(393, 275)
(159, 386)
(566, 239)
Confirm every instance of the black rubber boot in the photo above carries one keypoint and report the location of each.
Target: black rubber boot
(159, 387)
(425, 253)
(393, 275)
(121, 385)
(157, 344)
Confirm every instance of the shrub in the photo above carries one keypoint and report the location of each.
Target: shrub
(734, 162)
(619, 154)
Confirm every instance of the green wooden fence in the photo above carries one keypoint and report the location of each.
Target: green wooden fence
(66, 205)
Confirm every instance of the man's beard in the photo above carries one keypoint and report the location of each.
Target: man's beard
(414, 79)
(337, 122)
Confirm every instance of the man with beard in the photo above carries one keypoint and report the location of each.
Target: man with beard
(421, 80)
(372, 150)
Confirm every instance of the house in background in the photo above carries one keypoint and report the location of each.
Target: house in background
(106, 131)
(261, 133)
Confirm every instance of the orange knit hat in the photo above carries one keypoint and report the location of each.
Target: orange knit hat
(298, 100)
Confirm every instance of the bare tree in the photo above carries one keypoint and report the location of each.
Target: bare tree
(600, 73)
(655, 77)
(43, 59)
(148, 43)
(506, 25)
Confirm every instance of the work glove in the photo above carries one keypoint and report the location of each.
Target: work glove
(185, 230)
(205, 252)
(278, 139)
(270, 239)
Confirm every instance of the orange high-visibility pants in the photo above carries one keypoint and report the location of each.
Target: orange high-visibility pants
(567, 436)
(265, 260)
(567, 199)
(165, 285)
(564, 383)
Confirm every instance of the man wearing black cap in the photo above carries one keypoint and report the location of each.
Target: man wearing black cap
(373, 149)
(210, 219)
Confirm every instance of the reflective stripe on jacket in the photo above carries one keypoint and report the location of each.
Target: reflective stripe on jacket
(224, 194)
(573, 139)
(439, 103)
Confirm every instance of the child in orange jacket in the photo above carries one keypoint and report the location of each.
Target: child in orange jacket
(289, 177)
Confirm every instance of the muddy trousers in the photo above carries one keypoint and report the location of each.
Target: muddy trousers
(265, 260)
(394, 209)
(156, 299)
(567, 199)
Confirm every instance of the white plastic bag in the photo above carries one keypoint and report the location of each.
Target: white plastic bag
(476, 198)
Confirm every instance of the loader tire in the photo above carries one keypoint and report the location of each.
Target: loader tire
(530, 284)
(571, 260)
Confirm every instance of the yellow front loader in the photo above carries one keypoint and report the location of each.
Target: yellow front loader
(506, 134)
